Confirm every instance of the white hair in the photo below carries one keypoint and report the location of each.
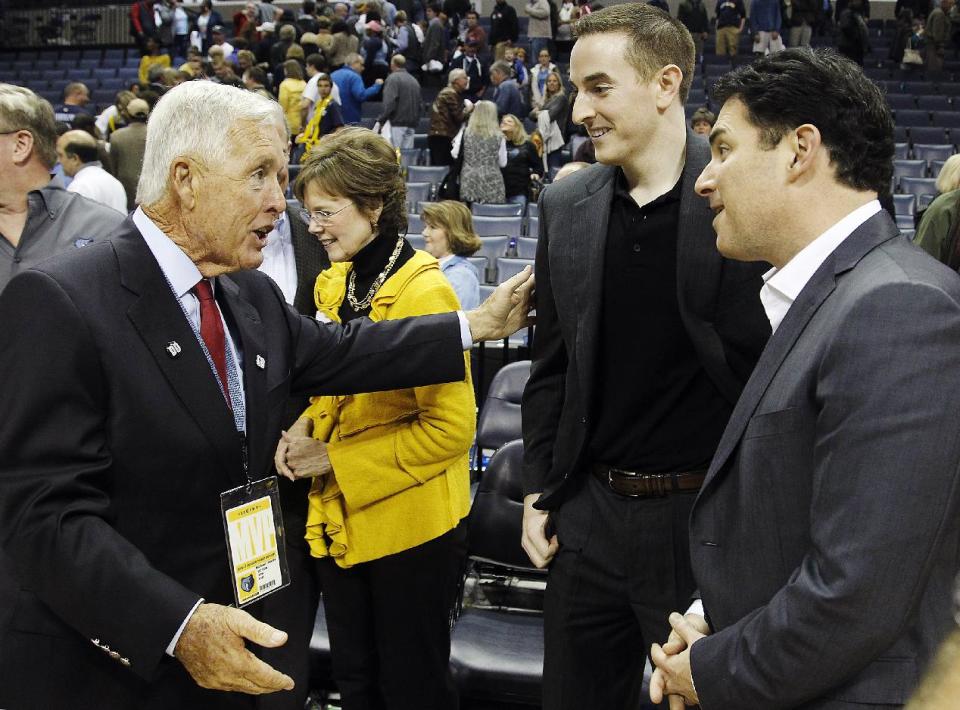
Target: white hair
(194, 119)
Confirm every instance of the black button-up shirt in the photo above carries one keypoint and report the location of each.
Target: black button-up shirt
(656, 410)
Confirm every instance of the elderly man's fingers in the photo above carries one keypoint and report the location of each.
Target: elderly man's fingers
(242, 624)
(676, 702)
(658, 686)
(674, 645)
(684, 628)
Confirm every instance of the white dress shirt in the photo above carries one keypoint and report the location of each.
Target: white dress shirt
(100, 186)
(279, 262)
(782, 286)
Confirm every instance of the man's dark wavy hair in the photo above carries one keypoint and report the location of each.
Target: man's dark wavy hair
(820, 87)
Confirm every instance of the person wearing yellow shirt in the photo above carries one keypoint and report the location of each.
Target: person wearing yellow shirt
(391, 473)
(152, 58)
(291, 91)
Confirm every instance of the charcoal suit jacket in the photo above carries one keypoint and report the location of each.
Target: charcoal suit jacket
(826, 536)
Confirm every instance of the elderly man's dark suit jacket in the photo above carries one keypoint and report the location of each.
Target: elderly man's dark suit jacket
(827, 535)
(719, 304)
(115, 453)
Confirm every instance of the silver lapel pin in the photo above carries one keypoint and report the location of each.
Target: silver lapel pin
(173, 348)
(261, 362)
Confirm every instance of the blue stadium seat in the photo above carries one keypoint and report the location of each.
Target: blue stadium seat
(905, 221)
(533, 225)
(492, 248)
(533, 209)
(946, 119)
(31, 75)
(69, 55)
(128, 74)
(115, 53)
(113, 85)
(498, 226)
(492, 210)
(936, 166)
(909, 168)
(110, 62)
(911, 118)
(901, 150)
(91, 55)
(420, 140)
(928, 134)
(934, 103)
(931, 152)
(949, 88)
(44, 64)
(414, 224)
(917, 88)
(900, 102)
(507, 267)
(908, 234)
(918, 186)
(527, 247)
(89, 63)
(410, 156)
(54, 74)
(416, 240)
(105, 72)
(432, 174)
(905, 204)
(418, 192)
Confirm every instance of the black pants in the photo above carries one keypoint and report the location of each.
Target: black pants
(440, 147)
(389, 625)
(622, 567)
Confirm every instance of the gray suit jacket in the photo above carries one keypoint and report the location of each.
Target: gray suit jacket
(719, 304)
(826, 536)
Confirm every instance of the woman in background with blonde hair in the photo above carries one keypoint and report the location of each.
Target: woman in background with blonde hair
(449, 238)
(484, 153)
(290, 94)
(939, 228)
(391, 474)
(524, 164)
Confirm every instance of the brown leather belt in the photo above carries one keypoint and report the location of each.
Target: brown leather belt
(648, 485)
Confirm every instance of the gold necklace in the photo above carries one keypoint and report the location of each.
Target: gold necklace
(377, 282)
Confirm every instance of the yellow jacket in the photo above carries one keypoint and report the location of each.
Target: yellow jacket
(291, 91)
(400, 458)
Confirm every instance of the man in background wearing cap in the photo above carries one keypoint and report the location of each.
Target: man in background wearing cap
(477, 73)
(127, 146)
(38, 218)
(219, 40)
(78, 154)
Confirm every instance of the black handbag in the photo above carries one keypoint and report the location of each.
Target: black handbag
(449, 187)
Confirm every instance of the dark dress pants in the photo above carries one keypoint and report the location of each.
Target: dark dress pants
(623, 566)
(389, 625)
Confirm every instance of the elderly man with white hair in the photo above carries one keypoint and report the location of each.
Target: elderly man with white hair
(144, 382)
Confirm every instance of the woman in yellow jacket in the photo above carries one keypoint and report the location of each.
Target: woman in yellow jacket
(391, 469)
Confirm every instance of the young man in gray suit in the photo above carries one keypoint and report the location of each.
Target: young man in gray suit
(826, 535)
(645, 337)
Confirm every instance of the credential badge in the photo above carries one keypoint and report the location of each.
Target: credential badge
(261, 362)
(173, 348)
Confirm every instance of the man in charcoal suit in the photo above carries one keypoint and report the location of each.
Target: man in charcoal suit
(826, 535)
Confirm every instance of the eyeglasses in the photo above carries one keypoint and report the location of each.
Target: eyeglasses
(319, 217)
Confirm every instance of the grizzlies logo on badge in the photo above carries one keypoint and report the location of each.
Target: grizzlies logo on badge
(246, 584)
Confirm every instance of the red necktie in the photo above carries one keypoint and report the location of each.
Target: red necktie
(211, 330)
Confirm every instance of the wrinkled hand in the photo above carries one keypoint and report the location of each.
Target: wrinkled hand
(672, 675)
(302, 427)
(676, 643)
(301, 456)
(506, 311)
(534, 538)
(212, 650)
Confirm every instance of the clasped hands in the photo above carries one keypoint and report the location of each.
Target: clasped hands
(299, 455)
(672, 677)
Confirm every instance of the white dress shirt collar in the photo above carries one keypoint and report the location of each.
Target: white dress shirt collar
(180, 271)
(782, 286)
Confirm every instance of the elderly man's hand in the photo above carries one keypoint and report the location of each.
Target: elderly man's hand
(212, 650)
(302, 456)
(506, 311)
(672, 675)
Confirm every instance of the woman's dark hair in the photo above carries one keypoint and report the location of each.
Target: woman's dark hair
(797, 86)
